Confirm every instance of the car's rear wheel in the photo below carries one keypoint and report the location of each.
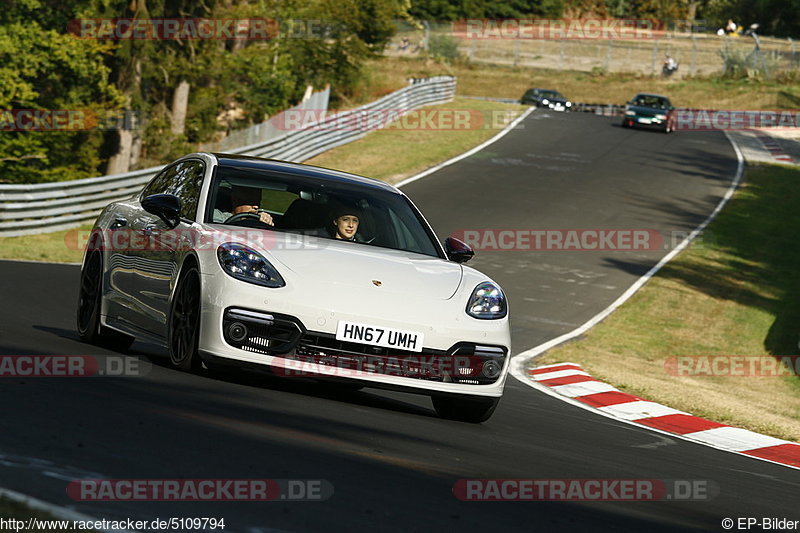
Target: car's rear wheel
(89, 305)
(184, 322)
(473, 409)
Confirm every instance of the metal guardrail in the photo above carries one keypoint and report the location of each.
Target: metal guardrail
(48, 207)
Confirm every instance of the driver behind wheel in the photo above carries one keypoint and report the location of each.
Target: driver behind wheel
(244, 200)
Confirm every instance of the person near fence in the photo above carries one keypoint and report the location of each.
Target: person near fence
(670, 65)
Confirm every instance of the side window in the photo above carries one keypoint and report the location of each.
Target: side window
(184, 180)
(186, 185)
(161, 182)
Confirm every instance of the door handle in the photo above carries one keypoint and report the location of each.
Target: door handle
(149, 230)
(119, 222)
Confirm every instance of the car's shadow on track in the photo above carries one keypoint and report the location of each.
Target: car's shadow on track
(267, 380)
(59, 332)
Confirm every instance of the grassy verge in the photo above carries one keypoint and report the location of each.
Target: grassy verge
(59, 246)
(390, 154)
(402, 149)
(10, 509)
(511, 82)
(736, 294)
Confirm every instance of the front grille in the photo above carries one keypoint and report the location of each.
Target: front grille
(462, 363)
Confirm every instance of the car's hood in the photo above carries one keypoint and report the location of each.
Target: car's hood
(330, 264)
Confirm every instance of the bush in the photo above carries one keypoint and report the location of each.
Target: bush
(754, 65)
(444, 47)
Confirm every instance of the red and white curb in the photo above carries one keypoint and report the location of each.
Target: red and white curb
(571, 381)
(774, 148)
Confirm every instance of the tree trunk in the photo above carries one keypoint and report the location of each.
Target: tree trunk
(180, 105)
(121, 161)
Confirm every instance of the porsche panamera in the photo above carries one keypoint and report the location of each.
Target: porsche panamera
(237, 261)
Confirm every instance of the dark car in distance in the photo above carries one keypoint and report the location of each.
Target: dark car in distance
(651, 110)
(546, 98)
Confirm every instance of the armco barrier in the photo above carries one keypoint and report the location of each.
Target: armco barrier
(47, 207)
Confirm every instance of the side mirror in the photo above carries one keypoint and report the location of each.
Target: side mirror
(458, 251)
(167, 207)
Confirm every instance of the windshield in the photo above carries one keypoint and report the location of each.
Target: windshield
(646, 100)
(551, 94)
(327, 209)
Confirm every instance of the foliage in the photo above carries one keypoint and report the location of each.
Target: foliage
(445, 47)
(448, 10)
(233, 83)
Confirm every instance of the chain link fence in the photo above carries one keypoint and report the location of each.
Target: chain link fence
(696, 53)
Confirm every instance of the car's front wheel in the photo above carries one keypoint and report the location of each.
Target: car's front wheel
(473, 409)
(89, 303)
(184, 322)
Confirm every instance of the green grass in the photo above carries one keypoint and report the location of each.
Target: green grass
(736, 294)
(614, 88)
(60, 246)
(16, 510)
(401, 149)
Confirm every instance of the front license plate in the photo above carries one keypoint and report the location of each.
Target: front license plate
(379, 336)
(645, 121)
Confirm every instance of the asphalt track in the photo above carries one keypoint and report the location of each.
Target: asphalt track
(391, 461)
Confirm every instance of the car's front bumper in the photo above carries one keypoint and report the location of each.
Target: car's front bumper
(456, 346)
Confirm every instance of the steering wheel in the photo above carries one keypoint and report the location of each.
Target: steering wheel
(250, 217)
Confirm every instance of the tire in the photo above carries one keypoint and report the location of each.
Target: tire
(183, 327)
(472, 409)
(625, 124)
(89, 305)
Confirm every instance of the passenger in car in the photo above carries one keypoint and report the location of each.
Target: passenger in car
(345, 223)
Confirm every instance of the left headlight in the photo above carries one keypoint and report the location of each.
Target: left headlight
(568, 104)
(245, 264)
(487, 302)
(661, 116)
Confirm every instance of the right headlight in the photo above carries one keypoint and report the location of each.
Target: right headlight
(487, 302)
(245, 264)
(629, 112)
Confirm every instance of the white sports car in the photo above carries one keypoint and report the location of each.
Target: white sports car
(234, 260)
